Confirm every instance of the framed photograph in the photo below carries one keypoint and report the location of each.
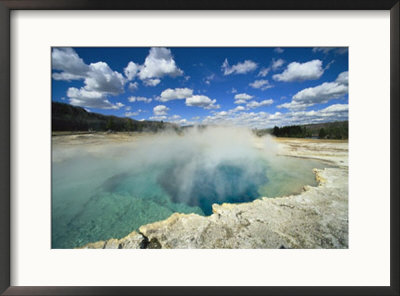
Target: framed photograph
(176, 148)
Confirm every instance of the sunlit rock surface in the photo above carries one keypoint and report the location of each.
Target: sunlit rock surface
(133, 240)
(316, 218)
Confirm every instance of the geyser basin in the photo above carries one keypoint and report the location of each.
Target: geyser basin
(100, 190)
(201, 186)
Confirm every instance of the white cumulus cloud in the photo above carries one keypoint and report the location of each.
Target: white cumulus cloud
(265, 120)
(151, 82)
(295, 71)
(133, 86)
(239, 68)
(293, 105)
(131, 70)
(238, 108)
(90, 99)
(100, 82)
(276, 64)
(159, 63)
(255, 104)
(67, 61)
(240, 102)
(201, 101)
(101, 78)
(263, 72)
(98, 77)
(261, 84)
(139, 99)
(209, 78)
(243, 96)
(319, 94)
(343, 78)
(175, 94)
(160, 110)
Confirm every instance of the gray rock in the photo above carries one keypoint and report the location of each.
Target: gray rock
(133, 240)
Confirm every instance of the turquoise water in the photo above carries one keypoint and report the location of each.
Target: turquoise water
(99, 196)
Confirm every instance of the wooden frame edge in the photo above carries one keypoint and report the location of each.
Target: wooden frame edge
(7, 6)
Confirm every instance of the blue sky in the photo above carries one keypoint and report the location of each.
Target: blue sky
(257, 87)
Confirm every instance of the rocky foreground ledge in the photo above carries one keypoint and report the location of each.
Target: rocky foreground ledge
(315, 218)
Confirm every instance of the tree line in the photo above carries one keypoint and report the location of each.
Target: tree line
(329, 130)
(66, 117)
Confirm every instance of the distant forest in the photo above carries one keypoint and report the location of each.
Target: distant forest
(329, 130)
(66, 117)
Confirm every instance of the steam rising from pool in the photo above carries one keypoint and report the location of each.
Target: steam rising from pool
(103, 190)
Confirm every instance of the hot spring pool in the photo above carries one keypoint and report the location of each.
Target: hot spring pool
(107, 191)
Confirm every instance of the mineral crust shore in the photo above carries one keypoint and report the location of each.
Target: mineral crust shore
(315, 218)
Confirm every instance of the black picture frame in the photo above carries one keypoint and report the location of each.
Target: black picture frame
(7, 6)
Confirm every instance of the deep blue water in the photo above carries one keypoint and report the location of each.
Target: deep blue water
(97, 198)
(228, 182)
